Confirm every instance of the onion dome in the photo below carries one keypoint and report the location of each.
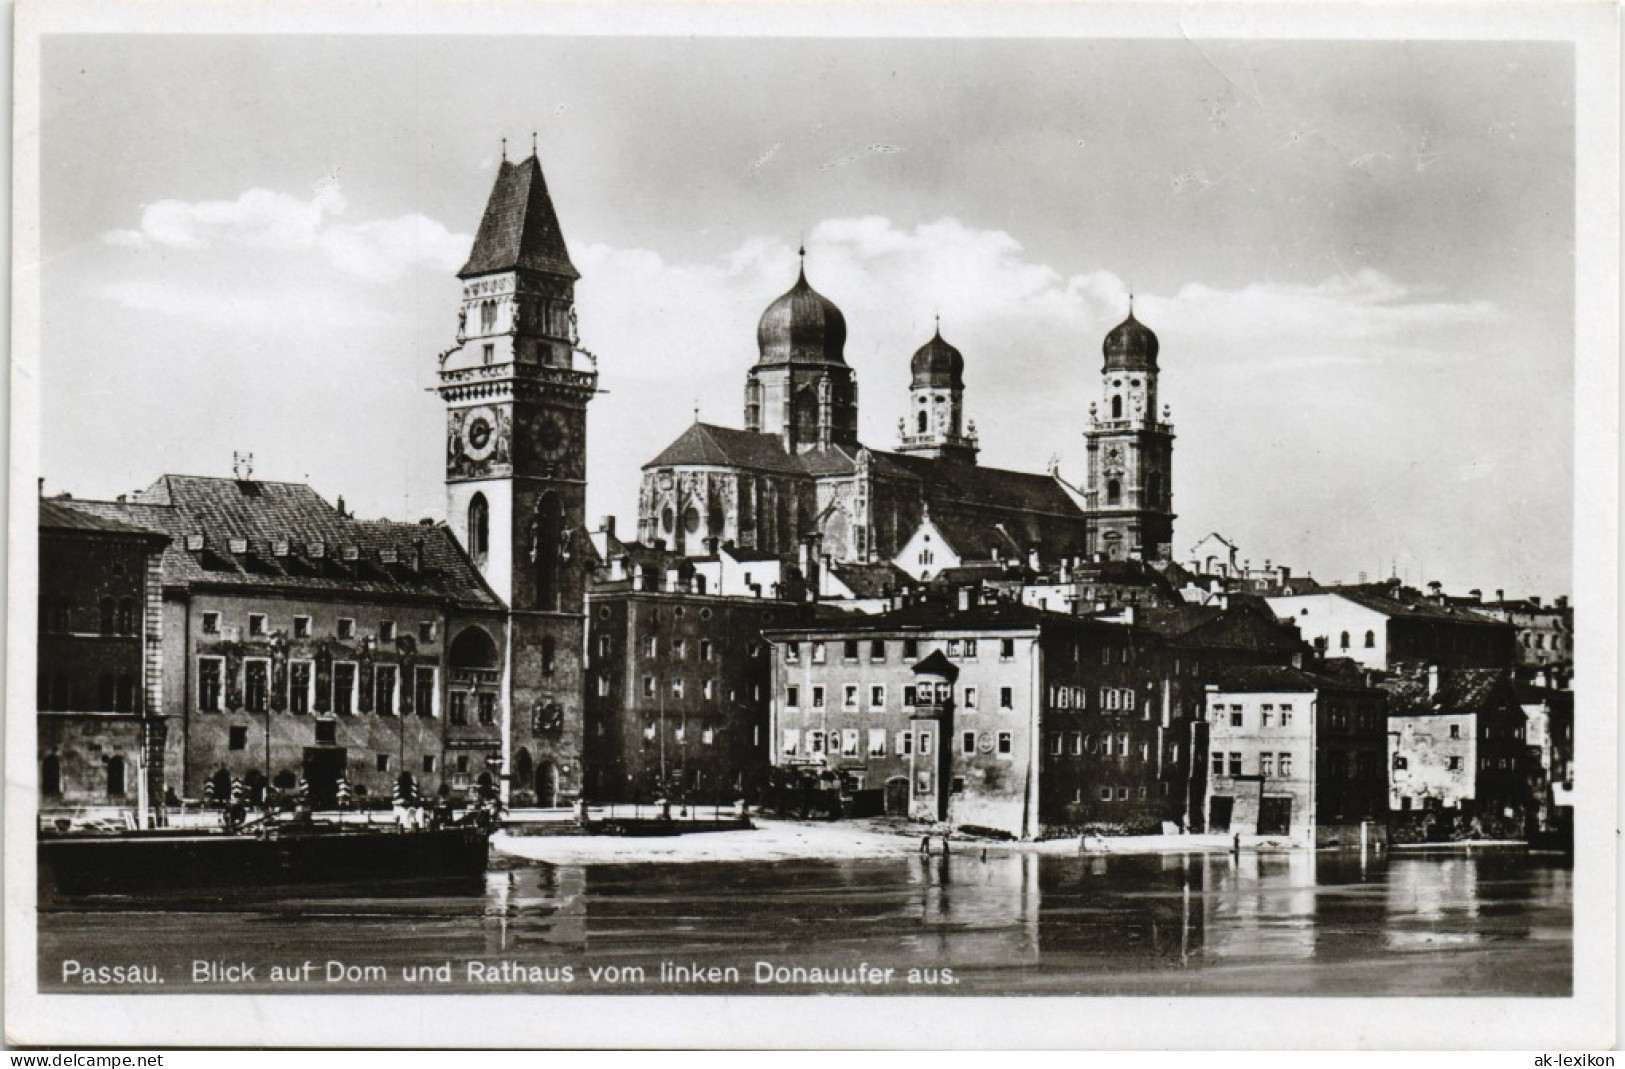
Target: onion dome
(802, 325)
(1131, 346)
(938, 364)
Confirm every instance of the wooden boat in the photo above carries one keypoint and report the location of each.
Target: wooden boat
(338, 857)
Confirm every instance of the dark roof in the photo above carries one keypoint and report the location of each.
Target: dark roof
(987, 616)
(802, 325)
(520, 229)
(264, 513)
(1250, 679)
(1461, 690)
(711, 445)
(1414, 610)
(937, 664)
(936, 363)
(1131, 346)
(54, 516)
(872, 580)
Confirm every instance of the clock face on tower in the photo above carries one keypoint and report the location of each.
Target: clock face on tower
(1114, 460)
(479, 433)
(550, 437)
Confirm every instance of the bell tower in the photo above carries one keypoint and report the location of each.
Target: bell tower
(1130, 451)
(516, 387)
(935, 425)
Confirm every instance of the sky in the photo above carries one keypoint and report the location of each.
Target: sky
(1359, 257)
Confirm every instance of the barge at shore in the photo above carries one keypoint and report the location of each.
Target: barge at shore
(189, 862)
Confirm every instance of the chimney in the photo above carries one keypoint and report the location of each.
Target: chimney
(967, 598)
(1476, 594)
(1500, 595)
(341, 507)
(1534, 599)
(1562, 601)
(1433, 680)
(607, 525)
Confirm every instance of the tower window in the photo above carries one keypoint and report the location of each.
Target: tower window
(488, 319)
(1117, 405)
(479, 527)
(1114, 491)
(548, 550)
(922, 421)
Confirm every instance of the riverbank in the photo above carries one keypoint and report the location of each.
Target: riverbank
(775, 839)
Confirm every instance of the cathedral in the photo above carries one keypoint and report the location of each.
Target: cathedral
(797, 478)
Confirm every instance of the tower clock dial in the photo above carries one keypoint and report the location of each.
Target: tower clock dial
(1114, 460)
(550, 437)
(479, 433)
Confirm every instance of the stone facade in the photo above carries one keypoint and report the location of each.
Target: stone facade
(995, 716)
(678, 693)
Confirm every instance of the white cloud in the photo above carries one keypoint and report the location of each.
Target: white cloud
(377, 251)
(294, 311)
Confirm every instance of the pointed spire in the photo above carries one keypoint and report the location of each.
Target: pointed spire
(801, 251)
(533, 143)
(520, 228)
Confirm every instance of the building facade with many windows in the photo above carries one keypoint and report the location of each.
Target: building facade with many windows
(992, 715)
(1295, 754)
(99, 687)
(300, 643)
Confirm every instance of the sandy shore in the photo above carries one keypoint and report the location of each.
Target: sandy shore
(776, 840)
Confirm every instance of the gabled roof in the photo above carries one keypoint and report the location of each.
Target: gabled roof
(56, 517)
(943, 615)
(706, 444)
(936, 664)
(265, 513)
(520, 229)
(871, 580)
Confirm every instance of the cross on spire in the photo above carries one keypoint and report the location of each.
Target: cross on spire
(504, 150)
(533, 142)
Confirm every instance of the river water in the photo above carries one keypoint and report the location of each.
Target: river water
(1011, 924)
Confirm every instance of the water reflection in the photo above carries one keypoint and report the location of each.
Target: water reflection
(1291, 923)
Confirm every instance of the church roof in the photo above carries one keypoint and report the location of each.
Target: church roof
(708, 445)
(1131, 346)
(262, 514)
(802, 325)
(520, 229)
(936, 363)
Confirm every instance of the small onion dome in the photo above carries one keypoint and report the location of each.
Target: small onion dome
(938, 364)
(1131, 346)
(802, 325)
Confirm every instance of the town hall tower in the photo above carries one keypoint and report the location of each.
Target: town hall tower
(516, 387)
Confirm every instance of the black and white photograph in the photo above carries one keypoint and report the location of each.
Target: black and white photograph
(1082, 525)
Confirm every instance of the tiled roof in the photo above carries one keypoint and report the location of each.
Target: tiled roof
(60, 517)
(706, 444)
(1461, 690)
(520, 228)
(1253, 679)
(263, 514)
(1413, 610)
(986, 616)
(872, 580)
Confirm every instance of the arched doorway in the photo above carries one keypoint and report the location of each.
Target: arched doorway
(897, 796)
(523, 769)
(547, 784)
